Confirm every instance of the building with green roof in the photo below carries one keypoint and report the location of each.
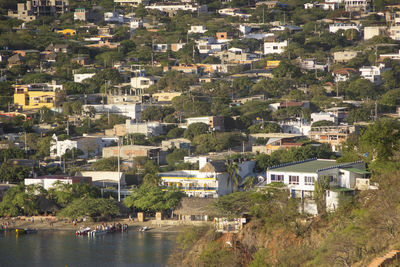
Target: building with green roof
(300, 176)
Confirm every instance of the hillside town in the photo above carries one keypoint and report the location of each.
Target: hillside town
(192, 112)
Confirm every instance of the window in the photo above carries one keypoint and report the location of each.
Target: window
(308, 180)
(275, 47)
(276, 178)
(293, 179)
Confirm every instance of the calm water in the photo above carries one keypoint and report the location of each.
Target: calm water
(48, 248)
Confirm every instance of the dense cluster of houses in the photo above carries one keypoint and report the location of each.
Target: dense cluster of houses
(130, 98)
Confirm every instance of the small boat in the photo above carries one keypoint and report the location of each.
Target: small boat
(97, 232)
(27, 231)
(144, 229)
(20, 231)
(83, 231)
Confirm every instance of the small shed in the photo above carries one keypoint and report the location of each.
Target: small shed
(194, 209)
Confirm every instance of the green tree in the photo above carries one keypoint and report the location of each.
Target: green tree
(90, 207)
(106, 164)
(195, 129)
(152, 198)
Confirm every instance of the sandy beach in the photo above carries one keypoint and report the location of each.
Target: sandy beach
(56, 224)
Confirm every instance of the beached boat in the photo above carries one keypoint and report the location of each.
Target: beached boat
(21, 231)
(97, 232)
(144, 229)
(83, 231)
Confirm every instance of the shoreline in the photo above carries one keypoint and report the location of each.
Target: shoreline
(63, 225)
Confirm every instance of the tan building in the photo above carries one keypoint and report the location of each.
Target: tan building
(165, 97)
(235, 55)
(131, 151)
(332, 135)
(215, 122)
(345, 56)
(32, 9)
(372, 31)
(394, 33)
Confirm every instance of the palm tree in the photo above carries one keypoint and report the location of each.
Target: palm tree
(233, 170)
(249, 183)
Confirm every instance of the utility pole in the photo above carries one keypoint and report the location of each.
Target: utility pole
(119, 171)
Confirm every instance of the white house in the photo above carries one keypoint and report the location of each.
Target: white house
(341, 26)
(211, 180)
(132, 2)
(275, 47)
(47, 182)
(234, 12)
(78, 78)
(300, 177)
(136, 23)
(357, 5)
(113, 17)
(129, 110)
(324, 116)
(143, 82)
(160, 47)
(209, 46)
(174, 7)
(197, 29)
(89, 145)
(324, 6)
(373, 73)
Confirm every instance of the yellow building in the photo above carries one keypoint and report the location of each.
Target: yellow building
(31, 97)
(67, 32)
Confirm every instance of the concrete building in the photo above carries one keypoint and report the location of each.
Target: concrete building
(344, 27)
(49, 181)
(273, 46)
(394, 56)
(129, 110)
(81, 14)
(173, 8)
(300, 178)
(165, 97)
(343, 74)
(216, 123)
(78, 78)
(197, 29)
(133, 3)
(394, 33)
(324, 6)
(235, 56)
(143, 82)
(104, 178)
(90, 145)
(210, 181)
(372, 31)
(131, 127)
(35, 96)
(129, 152)
(362, 6)
(345, 56)
(113, 17)
(324, 116)
(312, 64)
(32, 9)
(332, 135)
(209, 46)
(179, 143)
(373, 73)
